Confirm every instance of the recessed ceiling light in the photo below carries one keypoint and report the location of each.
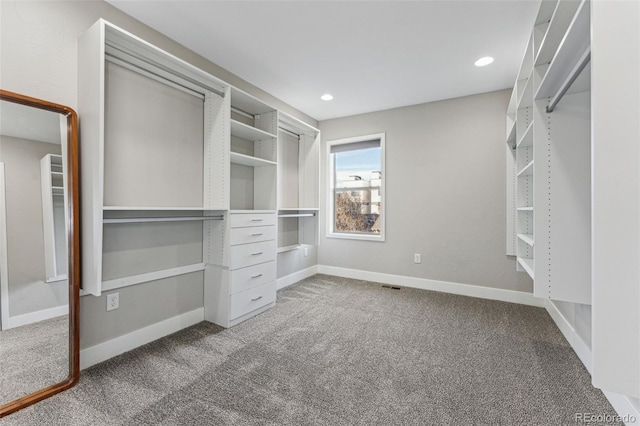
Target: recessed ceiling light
(326, 97)
(486, 60)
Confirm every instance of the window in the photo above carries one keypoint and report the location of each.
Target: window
(356, 188)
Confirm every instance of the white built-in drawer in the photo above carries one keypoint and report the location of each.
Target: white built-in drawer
(240, 220)
(252, 299)
(252, 254)
(252, 276)
(252, 234)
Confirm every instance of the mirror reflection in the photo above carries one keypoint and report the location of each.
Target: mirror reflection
(34, 288)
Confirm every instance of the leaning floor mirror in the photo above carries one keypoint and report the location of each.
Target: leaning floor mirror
(39, 250)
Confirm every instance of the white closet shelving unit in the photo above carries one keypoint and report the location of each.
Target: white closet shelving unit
(180, 176)
(243, 262)
(54, 217)
(253, 156)
(155, 160)
(298, 184)
(548, 166)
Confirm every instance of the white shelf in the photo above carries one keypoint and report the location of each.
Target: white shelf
(527, 264)
(527, 238)
(299, 209)
(248, 160)
(251, 211)
(511, 135)
(297, 215)
(527, 138)
(288, 248)
(526, 170)
(147, 208)
(249, 133)
(575, 42)
(162, 219)
(525, 209)
(560, 20)
(526, 100)
(248, 104)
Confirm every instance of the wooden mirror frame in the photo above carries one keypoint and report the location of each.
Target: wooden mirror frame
(73, 239)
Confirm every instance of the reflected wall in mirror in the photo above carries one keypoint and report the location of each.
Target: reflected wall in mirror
(39, 250)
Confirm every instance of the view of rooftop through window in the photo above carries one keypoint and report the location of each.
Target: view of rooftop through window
(358, 178)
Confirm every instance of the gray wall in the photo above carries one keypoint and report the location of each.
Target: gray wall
(38, 41)
(445, 184)
(28, 291)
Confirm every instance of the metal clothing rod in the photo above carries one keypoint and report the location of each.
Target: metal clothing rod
(168, 70)
(295, 135)
(573, 75)
(162, 219)
(297, 215)
(153, 76)
(242, 113)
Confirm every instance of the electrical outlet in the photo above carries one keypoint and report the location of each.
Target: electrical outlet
(417, 258)
(306, 251)
(113, 301)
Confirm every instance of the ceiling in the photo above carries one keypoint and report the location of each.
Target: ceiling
(370, 55)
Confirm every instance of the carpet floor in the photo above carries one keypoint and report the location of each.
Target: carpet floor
(336, 351)
(33, 356)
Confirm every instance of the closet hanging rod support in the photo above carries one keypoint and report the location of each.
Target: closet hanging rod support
(294, 134)
(152, 75)
(162, 219)
(573, 75)
(243, 113)
(141, 58)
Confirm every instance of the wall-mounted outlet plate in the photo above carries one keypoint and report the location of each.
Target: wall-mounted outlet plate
(113, 301)
(417, 258)
(306, 251)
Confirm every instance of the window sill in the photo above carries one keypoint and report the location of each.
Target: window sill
(378, 238)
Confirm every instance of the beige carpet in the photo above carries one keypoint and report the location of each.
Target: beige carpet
(32, 357)
(339, 352)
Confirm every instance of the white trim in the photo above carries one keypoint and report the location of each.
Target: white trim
(626, 409)
(481, 292)
(330, 185)
(4, 274)
(578, 345)
(121, 344)
(151, 276)
(37, 316)
(296, 276)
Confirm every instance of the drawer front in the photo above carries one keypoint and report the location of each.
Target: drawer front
(252, 299)
(253, 276)
(252, 219)
(253, 234)
(251, 254)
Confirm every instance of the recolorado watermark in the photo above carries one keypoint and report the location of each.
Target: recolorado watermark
(604, 418)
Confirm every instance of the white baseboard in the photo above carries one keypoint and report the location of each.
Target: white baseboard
(121, 344)
(568, 331)
(481, 292)
(30, 318)
(628, 411)
(296, 276)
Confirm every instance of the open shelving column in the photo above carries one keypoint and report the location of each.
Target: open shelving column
(253, 153)
(298, 184)
(549, 167)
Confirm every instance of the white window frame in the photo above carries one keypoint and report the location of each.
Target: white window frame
(331, 186)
